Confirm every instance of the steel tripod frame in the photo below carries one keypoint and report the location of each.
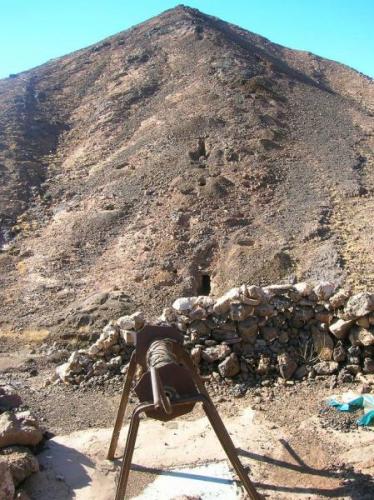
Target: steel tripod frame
(122, 406)
(209, 409)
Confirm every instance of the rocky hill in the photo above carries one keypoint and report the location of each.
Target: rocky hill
(180, 157)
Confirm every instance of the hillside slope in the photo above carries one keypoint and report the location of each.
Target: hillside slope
(182, 154)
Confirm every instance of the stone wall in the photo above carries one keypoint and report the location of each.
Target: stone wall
(252, 333)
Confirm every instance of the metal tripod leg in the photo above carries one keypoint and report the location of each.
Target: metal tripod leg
(129, 450)
(228, 446)
(122, 407)
(219, 428)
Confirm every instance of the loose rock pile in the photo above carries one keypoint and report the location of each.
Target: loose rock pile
(253, 334)
(19, 434)
(107, 356)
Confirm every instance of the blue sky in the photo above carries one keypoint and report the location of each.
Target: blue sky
(33, 31)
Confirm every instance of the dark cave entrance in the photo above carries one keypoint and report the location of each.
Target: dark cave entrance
(204, 285)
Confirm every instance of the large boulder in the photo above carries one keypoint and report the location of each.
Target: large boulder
(339, 353)
(303, 288)
(222, 304)
(340, 328)
(63, 372)
(248, 330)
(274, 290)
(230, 366)
(7, 488)
(108, 338)
(359, 305)
(77, 364)
(359, 336)
(324, 290)
(264, 365)
(21, 462)
(323, 344)
(199, 328)
(254, 292)
(183, 305)
(339, 298)
(132, 322)
(9, 398)
(270, 333)
(240, 312)
(264, 310)
(326, 367)
(287, 365)
(99, 368)
(368, 365)
(216, 353)
(19, 429)
(196, 355)
(302, 315)
(168, 315)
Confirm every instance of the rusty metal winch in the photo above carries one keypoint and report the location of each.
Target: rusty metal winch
(169, 387)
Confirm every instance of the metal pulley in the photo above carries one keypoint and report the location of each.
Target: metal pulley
(165, 382)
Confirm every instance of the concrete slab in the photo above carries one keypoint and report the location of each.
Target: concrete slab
(173, 458)
(210, 481)
(183, 457)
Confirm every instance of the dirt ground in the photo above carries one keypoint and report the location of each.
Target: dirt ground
(295, 446)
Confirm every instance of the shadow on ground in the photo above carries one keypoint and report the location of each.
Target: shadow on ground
(356, 485)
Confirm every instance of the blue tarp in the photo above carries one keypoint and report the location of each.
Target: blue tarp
(355, 402)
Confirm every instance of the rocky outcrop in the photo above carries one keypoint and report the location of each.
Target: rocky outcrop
(19, 434)
(21, 462)
(9, 398)
(251, 333)
(19, 428)
(7, 488)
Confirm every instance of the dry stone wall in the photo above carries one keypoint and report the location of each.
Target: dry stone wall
(252, 333)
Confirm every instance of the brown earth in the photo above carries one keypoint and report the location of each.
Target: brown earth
(183, 147)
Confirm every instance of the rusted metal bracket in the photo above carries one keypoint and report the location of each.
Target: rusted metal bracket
(169, 387)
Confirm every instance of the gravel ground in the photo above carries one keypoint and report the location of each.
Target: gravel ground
(65, 408)
(300, 426)
(342, 421)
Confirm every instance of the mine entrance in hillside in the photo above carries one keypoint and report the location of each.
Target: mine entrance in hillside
(204, 285)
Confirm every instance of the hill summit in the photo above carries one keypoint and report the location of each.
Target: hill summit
(180, 157)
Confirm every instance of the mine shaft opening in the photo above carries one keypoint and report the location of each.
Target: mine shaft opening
(204, 285)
